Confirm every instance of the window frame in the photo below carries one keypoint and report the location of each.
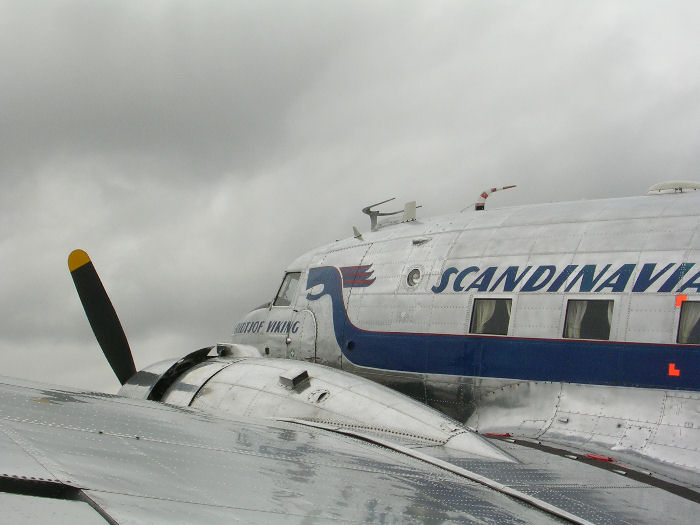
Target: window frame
(680, 319)
(292, 296)
(473, 310)
(588, 299)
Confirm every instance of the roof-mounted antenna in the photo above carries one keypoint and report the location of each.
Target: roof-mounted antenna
(373, 214)
(409, 212)
(481, 204)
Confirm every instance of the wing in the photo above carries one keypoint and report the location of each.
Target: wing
(126, 461)
(89, 457)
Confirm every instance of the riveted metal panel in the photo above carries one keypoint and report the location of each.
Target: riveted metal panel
(143, 461)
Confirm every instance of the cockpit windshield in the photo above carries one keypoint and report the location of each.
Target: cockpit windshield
(287, 289)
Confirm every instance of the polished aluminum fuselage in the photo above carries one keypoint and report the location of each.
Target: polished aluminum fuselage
(636, 392)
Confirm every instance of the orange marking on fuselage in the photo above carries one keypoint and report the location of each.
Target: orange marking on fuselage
(672, 370)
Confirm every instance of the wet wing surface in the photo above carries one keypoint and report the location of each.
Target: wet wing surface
(599, 495)
(142, 461)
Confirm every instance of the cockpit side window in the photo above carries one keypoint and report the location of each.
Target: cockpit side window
(285, 295)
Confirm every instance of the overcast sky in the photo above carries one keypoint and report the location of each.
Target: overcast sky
(196, 148)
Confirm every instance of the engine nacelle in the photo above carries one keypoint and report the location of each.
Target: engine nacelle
(225, 384)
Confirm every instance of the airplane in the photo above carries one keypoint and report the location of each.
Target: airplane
(574, 323)
(302, 417)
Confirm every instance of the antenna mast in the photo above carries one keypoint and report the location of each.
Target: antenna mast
(409, 213)
(481, 204)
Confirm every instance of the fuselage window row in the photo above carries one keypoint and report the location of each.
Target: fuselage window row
(585, 319)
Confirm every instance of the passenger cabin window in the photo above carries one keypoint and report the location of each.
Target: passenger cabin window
(287, 289)
(588, 319)
(490, 316)
(689, 325)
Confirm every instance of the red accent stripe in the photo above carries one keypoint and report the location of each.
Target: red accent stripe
(345, 269)
(355, 282)
(600, 458)
(357, 275)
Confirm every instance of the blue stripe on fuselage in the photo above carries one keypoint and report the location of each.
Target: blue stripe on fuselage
(574, 361)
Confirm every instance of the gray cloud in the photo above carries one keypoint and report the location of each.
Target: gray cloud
(195, 149)
(190, 86)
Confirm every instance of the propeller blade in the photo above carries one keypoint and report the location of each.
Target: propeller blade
(101, 315)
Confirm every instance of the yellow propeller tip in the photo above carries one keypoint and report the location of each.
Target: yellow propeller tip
(76, 259)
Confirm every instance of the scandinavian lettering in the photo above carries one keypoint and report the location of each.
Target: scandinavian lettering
(572, 278)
